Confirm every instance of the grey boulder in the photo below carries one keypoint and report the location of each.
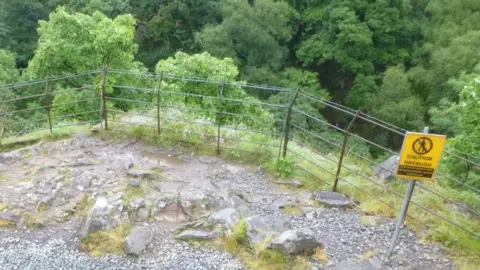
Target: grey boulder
(102, 216)
(227, 217)
(386, 170)
(332, 199)
(197, 235)
(138, 241)
(260, 227)
(295, 242)
(81, 180)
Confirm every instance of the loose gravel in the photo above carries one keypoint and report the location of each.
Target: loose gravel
(23, 254)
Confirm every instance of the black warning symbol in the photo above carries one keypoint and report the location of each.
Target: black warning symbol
(422, 145)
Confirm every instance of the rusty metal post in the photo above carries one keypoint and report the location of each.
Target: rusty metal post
(286, 126)
(104, 96)
(342, 151)
(47, 107)
(158, 102)
(220, 94)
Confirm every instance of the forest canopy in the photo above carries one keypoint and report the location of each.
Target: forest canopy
(408, 62)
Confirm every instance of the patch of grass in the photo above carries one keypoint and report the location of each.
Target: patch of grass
(34, 221)
(3, 206)
(292, 209)
(82, 206)
(132, 192)
(6, 223)
(42, 207)
(27, 154)
(367, 255)
(320, 255)
(106, 242)
(15, 142)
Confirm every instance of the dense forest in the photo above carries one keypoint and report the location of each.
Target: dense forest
(408, 62)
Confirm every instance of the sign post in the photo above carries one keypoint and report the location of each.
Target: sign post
(418, 160)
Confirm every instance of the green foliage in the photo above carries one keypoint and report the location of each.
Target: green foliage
(163, 29)
(18, 27)
(106, 242)
(395, 102)
(286, 166)
(227, 98)
(468, 134)
(254, 37)
(358, 34)
(70, 43)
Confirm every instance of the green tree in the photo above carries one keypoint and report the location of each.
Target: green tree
(254, 36)
(18, 25)
(70, 43)
(222, 111)
(395, 101)
(76, 42)
(468, 134)
(450, 47)
(360, 35)
(307, 82)
(167, 26)
(8, 74)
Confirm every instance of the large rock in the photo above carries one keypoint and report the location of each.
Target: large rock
(227, 217)
(196, 202)
(135, 203)
(168, 210)
(295, 242)
(260, 227)
(137, 241)
(102, 216)
(329, 198)
(81, 179)
(197, 235)
(386, 170)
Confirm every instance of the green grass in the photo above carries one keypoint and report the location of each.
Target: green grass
(3, 206)
(106, 242)
(132, 192)
(6, 223)
(15, 142)
(292, 209)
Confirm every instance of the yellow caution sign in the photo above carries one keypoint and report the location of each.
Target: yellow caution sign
(420, 156)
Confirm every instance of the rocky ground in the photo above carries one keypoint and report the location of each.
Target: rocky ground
(53, 194)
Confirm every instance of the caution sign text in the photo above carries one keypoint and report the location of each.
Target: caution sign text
(420, 156)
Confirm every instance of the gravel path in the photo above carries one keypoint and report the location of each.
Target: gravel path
(23, 254)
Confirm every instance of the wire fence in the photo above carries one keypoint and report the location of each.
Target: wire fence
(226, 116)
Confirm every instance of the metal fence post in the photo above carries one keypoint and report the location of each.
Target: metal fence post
(158, 102)
(47, 107)
(342, 151)
(403, 211)
(286, 126)
(104, 95)
(220, 94)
